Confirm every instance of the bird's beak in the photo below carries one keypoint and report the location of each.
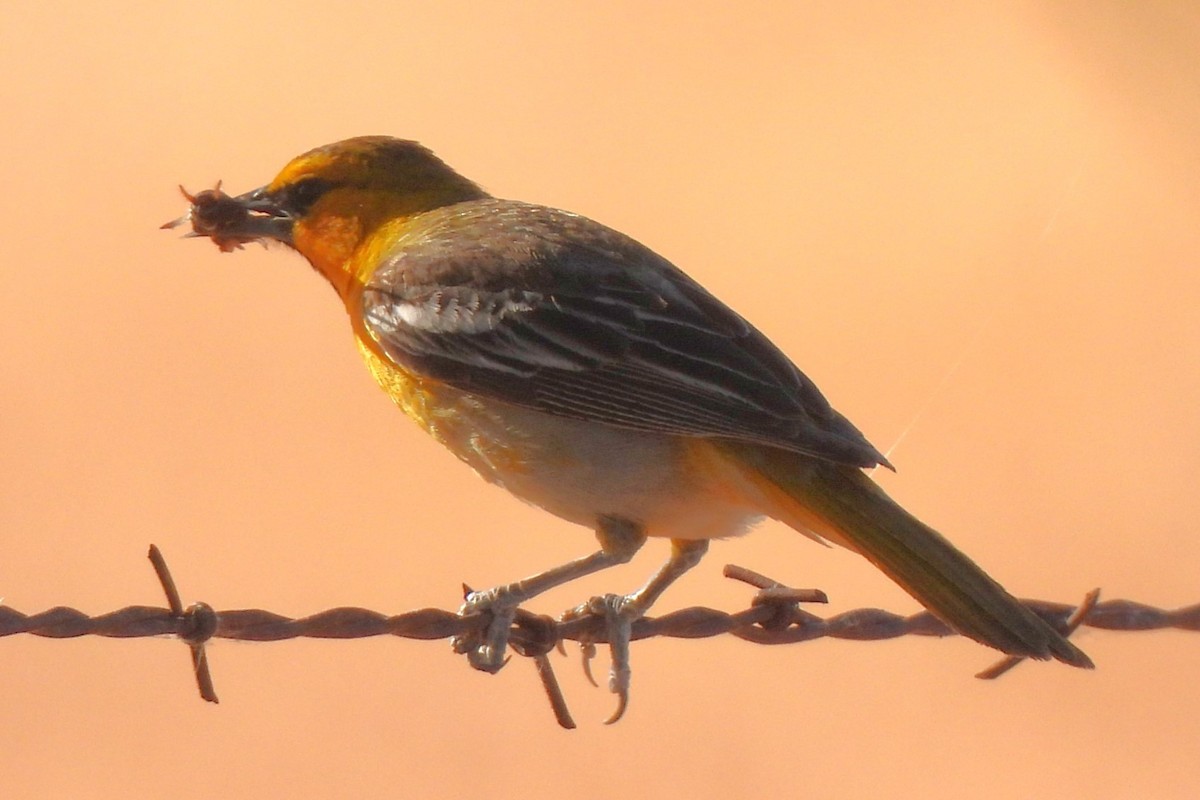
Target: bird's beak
(232, 221)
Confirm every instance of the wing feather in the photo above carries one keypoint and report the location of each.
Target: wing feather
(563, 315)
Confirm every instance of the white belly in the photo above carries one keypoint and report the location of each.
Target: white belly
(581, 471)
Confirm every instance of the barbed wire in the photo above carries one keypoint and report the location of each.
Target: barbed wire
(774, 617)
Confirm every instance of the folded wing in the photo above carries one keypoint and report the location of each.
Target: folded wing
(571, 318)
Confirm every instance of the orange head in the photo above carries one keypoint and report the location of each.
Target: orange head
(327, 202)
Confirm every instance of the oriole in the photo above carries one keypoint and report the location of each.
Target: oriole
(587, 375)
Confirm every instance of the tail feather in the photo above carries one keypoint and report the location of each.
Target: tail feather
(850, 508)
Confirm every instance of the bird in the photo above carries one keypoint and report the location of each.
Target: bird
(587, 375)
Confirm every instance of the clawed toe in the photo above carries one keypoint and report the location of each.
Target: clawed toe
(485, 647)
(619, 612)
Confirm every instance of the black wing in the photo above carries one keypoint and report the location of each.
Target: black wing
(554, 312)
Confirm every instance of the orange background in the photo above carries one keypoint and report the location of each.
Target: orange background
(1006, 187)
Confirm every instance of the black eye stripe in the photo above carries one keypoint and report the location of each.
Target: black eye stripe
(301, 195)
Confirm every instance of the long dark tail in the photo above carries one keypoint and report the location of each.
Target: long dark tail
(917, 557)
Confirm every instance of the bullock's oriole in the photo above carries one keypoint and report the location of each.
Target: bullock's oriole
(585, 374)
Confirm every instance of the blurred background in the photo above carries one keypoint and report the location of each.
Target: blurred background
(973, 225)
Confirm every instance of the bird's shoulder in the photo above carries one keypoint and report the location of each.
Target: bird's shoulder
(495, 244)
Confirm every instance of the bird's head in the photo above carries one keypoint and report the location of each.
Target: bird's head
(325, 203)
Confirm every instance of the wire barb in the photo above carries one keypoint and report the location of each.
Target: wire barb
(774, 617)
(198, 624)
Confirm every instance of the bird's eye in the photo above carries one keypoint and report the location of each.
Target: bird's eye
(302, 194)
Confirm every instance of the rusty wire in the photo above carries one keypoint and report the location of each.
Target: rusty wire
(774, 617)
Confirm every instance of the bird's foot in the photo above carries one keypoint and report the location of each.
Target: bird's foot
(485, 646)
(618, 612)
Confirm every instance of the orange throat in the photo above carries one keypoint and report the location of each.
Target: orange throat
(329, 242)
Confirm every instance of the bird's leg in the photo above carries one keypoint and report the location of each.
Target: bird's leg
(619, 541)
(621, 611)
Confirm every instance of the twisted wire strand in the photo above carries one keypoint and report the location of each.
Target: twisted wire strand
(774, 617)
